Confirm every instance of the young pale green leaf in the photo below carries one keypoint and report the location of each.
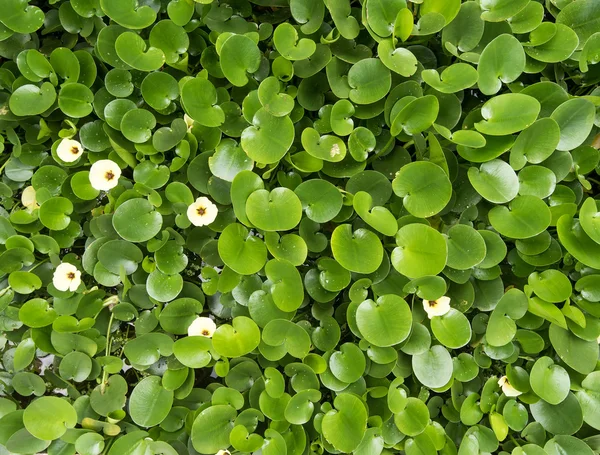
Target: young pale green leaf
(502, 61)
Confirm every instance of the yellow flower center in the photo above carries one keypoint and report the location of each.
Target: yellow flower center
(71, 275)
(201, 211)
(109, 175)
(432, 303)
(74, 150)
(205, 332)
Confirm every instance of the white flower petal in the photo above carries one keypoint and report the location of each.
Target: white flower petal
(66, 277)
(69, 150)
(223, 452)
(28, 198)
(202, 212)
(507, 388)
(437, 307)
(189, 121)
(203, 327)
(104, 175)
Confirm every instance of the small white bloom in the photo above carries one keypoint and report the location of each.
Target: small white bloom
(507, 388)
(69, 150)
(66, 277)
(104, 175)
(202, 212)
(28, 198)
(202, 327)
(437, 307)
(335, 151)
(189, 121)
(598, 340)
(223, 452)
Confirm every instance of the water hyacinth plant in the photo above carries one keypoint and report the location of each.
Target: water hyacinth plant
(299, 227)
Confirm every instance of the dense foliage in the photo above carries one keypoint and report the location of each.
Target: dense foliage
(299, 227)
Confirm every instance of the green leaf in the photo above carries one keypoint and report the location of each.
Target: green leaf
(358, 251)
(384, 322)
(345, 425)
(212, 427)
(199, 98)
(239, 56)
(578, 354)
(452, 329)
(421, 251)
(582, 17)
(32, 100)
(575, 120)
(433, 368)
(495, 180)
(502, 61)
(454, 78)
(549, 381)
(424, 187)
(132, 49)
(21, 17)
(136, 220)
(237, 340)
(525, 217)
(507, 114)
(48, 418)
(278, 210)
(369, 80)
(269, 138)
(150, 403)
(565, 418)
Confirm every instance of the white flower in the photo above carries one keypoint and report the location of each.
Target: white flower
(69, 150)
(508, 389)
(202, 212)
(437, 307)
(104, 175)
(202, 327)
(189, 121)
(223, 452)
(66, 277)
(28, 198)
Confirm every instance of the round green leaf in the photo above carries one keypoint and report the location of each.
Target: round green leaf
(358, 251)
(48, 418)
(424, 187)
(507, 114)
(433, 368)
(384, 322)
(526, 217)
(278, 210)
(549, 381)
(136, 220)
(345, 425)
(421, 251)
(452, 329)
(150, 402)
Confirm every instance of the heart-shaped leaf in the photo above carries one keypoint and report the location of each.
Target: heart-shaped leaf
(239, 56)
(502, 61)
(242, 252)
(278, 210)
(423, 200)
(358, 251)
(289, 46)
(269, 138)
(345, 425)
(384, 322)
(507, 114)
(132, 49)
(238, 339)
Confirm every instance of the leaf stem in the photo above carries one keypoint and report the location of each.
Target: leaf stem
(107, 352)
